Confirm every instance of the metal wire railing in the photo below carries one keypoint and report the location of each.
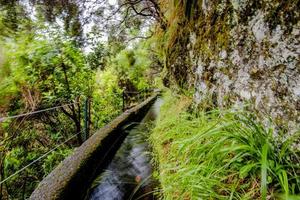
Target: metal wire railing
(129, 98)
(2, 119)
(16, 128)
(39, 158)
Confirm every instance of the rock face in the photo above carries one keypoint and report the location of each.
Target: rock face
(246, 51)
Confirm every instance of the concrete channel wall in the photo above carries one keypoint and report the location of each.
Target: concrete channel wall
(73, 176)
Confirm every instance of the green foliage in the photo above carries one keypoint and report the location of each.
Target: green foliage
(16, 159)
(55, 69)
(12, 160)
(221, 155)
(97, 59)
(128, 70)
(58, 70)
(107, 98)
(36, 73)
(11, 74)
(13, 18)
(19, 157)
(42, 66)
(131, 67)
(53, 159)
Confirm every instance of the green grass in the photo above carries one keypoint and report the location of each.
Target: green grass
(221, 155)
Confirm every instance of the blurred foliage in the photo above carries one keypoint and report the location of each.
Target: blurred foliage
(97, 59)
(131, 66)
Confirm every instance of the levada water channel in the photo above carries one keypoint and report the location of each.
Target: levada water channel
(129, 175)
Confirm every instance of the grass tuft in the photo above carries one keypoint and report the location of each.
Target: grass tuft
(221, 154)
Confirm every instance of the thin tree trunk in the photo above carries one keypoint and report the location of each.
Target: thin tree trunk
(77, 125)
(75, 116)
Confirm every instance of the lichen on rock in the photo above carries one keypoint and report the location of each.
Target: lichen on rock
(238, 51)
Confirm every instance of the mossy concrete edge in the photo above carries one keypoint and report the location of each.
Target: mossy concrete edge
(72, 177)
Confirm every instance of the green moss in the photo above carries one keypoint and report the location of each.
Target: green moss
(225, 70)
(285, 13)
(256, 73)
(212, 35)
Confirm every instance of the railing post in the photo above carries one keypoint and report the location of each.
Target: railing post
(123, 100)
(86, 119)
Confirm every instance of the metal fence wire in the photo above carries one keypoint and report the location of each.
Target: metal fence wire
(129, 99)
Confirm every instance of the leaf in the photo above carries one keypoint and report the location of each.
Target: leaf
(283, 179)
(264, 173)
(289, 197)
(244, 171)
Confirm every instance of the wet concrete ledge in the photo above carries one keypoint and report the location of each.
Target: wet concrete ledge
(73, 176)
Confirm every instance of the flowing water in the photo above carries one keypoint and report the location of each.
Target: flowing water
(129, 175)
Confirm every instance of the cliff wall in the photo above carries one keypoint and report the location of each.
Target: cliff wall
(238, 52)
